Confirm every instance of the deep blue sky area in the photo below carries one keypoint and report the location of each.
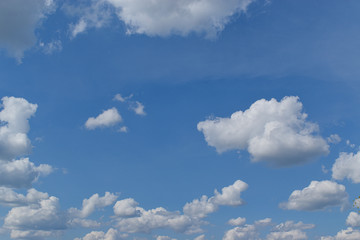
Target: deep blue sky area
(179, 119)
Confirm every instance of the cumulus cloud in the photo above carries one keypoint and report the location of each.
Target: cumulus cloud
(289, 231)
(353, 219)
(247, 231)
(131, 218)
(271, 131)
(317, 196)
(347, 165)
(334, 138)
(237, 221)
(346, 234)
(229, 196)
(95, 201)
(107, 118)
(14, 127)
(17, 34)
(43, 218)
(181, 17)
(8, 197)
(21, 173)
(111, 234)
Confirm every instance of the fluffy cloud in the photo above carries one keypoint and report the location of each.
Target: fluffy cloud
(107, 118)
(15, 125)
(27, 221)
(229, 196)
(237, 221)
(10, 198)
(353, 219)
(248, 231)
(134, 219)
(334, 138)
(111, 234)
(347, 234)
(21, 173)
(201, 237)
(289, 231)
(317, 196)
(347, 165)
(271, 131)
(17, 34)
(95, 201)
(164, 238)
(181, 17)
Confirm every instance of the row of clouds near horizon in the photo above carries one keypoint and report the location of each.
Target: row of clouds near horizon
(38, 215)
(153, 18)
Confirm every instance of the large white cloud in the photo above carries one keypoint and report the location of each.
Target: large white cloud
(107, 118)
(15, 126)
(347, 165)
(21, 173)
(317, 196)
(289, 231)
(8, 197)
(272, 131)
(346, 234)
(132, 219)
(162, 17)
(18, 21)
(353, 219)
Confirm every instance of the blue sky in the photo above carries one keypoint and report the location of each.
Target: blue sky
(179, 119)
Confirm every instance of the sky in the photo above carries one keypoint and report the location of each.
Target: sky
(179, 119)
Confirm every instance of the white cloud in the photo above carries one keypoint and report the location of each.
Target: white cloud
(21, 173)
(334, 138)
(120, 98)
(95, 15)
(164, 238)
(181, 17)
(15, 126)
(229, 196)
(317, 196)
(271, 131)
(201, 237)
(353, 219)
(126, 208)
(107, 118)
(123, 129)
(350, 144)
(95, 201)
(138, 108)
(237, 221)
(111, 234)
(289, 231)
(17, 34)
(10, 198)
(43, 218)
(51, 47)
(347, 234)
(347, 165)
(247, 232)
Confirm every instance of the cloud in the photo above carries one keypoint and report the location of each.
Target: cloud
(17, 34)
(246, 232)
(120, 98)
(347, 234)
(347, 165)
(317, 196)
(15, 126)
(353, 219)
(21, 173)
(95, 201)
(107, 118)
(271, 131)
(111, 234)
(131, 218)
(180, 17)
(138, 108)
(237, 221)
(10, 198)
(51, 47)
(229, 196)
(334, 138)
(164, 238)
(95, 15)
(27, 221)
(201, 237)
(289, 231)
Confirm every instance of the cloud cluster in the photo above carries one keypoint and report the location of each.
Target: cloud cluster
(17, 34)
(317, 196)
(347, 165)
(271, 131)
(346, 234)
